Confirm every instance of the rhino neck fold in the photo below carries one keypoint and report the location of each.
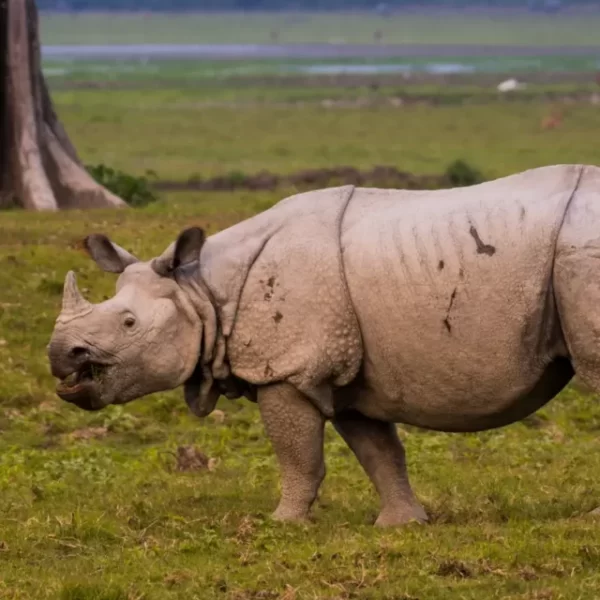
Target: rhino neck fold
(227, 259)
(214, 285)
(212, 376)
(203, 304)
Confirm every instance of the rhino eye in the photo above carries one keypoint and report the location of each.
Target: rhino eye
(129, 322)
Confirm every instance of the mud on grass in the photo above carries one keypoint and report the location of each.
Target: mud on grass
(147, 502)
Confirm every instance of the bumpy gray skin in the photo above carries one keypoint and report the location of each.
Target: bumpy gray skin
(455, 310)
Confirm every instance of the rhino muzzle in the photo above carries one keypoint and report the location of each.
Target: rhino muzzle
(80, 377)
(72, 362)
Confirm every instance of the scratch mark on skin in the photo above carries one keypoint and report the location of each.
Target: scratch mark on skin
(447, 319)
(271, 286)
(277, 317)
(461, 273)
(523, 213)
(482, 248)
(269, 371)
(452, 298)
(421, 250)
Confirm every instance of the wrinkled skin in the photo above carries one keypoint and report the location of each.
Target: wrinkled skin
(453, 310)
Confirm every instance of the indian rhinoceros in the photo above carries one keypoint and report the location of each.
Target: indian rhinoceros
(457, 310)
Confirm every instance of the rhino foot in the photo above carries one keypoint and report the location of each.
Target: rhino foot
(288, 515)
(401, 516)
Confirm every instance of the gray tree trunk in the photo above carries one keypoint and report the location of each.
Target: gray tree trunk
(39, 167)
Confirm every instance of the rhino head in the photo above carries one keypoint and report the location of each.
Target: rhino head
(145, 339)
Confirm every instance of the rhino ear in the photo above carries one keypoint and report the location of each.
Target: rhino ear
(108, 256)
(184, 251)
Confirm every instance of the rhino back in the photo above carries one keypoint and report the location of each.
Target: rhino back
(453, 294)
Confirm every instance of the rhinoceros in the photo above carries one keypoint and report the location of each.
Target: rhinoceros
(455, 310)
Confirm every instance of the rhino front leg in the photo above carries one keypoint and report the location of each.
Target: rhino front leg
(381, 454)
(295, 428)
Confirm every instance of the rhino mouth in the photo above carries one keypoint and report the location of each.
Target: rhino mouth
(82, 386)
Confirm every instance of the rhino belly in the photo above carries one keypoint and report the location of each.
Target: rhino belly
(452, 409)
(454, 299)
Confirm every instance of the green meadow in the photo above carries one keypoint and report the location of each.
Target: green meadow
(179, 134)
(103, 507)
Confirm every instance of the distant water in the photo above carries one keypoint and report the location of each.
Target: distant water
(160, 51)
(344, 59)
(300, 51)
(149, 52)
(433, 68)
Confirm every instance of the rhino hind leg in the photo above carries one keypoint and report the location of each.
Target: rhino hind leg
(576, 278)
(577, 282)
(295, 428)
(382, 456)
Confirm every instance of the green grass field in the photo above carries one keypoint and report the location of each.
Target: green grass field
(175, 134)
(93, 507)
(517, 29)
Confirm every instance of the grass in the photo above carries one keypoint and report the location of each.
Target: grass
(175, 134)
(571, 29)
(93, 507)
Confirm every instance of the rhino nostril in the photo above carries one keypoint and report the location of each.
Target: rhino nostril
(78, 352)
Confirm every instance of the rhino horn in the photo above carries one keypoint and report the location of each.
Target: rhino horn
(73, 302)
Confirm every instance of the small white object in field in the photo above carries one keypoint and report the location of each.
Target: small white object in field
(510, 85)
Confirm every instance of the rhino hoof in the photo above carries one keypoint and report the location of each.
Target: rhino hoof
(401, 517)
(291, 516)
